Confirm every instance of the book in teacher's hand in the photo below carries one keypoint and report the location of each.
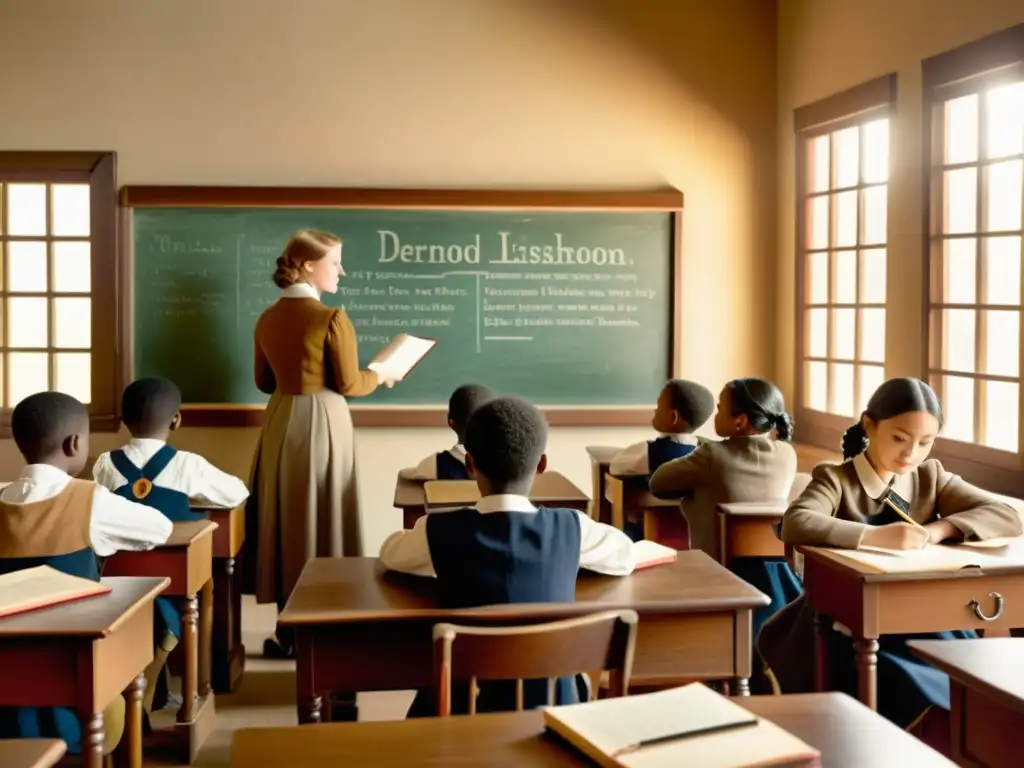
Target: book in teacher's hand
(691, 725)
(40, 587)
(401, 355)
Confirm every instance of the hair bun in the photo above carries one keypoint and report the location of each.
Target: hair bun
(783, 424)
(855, 441)
(285, 274)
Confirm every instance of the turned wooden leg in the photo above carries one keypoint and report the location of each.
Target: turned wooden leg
(742, 686)
(129, 752)
(309, 709)
(867, 671)
(205, 637)
(189, 675)
(822, 630)
(92, 740)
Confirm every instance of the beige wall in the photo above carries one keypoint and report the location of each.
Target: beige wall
(828, 46)
(432, 93)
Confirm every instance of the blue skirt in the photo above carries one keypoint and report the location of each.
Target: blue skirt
(774, 577)
(42, 723)
(166, 618)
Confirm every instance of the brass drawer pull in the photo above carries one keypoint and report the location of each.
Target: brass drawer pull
(976, 607)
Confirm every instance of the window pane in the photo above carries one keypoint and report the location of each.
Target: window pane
(27, 323)
(1001, 408)
(27, 373)
(958, 340)
(70, 210)
(1005, 128)
(816, 391)
(817, 164)
(1002, 343)
(72, 326)
(26, 266)
(73, 375)
(818, 278)
(1002, 270)
(846, 219)
(871, 378)
(817, 333)
(875, 201)
(962, 129)
(26, 209)
(958, 408)
(1003, 196)
(843, 329)
(72, 267)
(872, 335)
(961, 188)
(846, 143)
(876, 151)
(842, 389)
(958, 274)
(817, 223)
(872, 276)
(846, 277)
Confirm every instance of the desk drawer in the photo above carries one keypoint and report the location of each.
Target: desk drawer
(945, 604)
(989, 734)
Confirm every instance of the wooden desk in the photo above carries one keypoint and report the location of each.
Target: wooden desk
(846, 733)
(31, 753)
(228, 653)
(663, 519)
(872, 604)
(187, 558)
(986, 695)
(600, 459)
(361, 628)
(746, 529)
(81, 655)
(415, 498)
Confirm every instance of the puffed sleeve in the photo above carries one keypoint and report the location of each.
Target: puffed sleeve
(344, 358)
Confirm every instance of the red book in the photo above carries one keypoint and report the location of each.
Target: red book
(650, 553)
(34, 588)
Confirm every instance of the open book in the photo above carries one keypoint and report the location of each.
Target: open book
(691, 725)
(651, 553)
(401, 355)
(43, 586)
(932, 558)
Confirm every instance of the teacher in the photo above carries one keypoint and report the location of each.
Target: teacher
(304, 501)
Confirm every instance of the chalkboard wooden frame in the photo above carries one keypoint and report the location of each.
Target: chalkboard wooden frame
(669, 201)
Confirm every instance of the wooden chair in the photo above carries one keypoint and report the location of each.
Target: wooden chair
(600, 641)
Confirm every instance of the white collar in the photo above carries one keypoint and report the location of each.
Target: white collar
(682, 438)
(459, 452)
(873, 483)
(300, 291)
(146, 443)
(42, 472)
(504, 502)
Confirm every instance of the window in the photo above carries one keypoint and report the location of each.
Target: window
(58, 304)
(842, 200)
(976, 226)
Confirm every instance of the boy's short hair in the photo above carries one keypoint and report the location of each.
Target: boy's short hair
(42, 422)
(694, 403)
(149, 405)
(464, 401)
(506, 438)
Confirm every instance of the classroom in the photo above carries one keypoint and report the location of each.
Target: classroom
(730, 124)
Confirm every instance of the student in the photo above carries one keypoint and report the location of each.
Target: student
(887, 493)
(50, 518)
(451, 464)
(149, 471)
(506, 550)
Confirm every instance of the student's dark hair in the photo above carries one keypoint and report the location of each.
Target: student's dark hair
(506, 438)
(464, 401)
(691, 401)
(42, 422)
(763, 404)
(893, 398)
(148, 405)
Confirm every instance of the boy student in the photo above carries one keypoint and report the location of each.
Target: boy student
(49, 518)
(451, 464)
(151, 472)
(506, 550)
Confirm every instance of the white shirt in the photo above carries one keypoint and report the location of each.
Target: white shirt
(300, 291)
(187, 472)
(603, 549)
(116, 523)
(427, 469)
(634, 459)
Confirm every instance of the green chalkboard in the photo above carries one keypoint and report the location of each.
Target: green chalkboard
(563, 308)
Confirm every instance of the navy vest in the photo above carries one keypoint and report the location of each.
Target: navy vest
(449, 467)
(665, 449)
(142, 488)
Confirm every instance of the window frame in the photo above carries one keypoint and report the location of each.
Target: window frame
(864, 103)
(108, 315)
(968, 69)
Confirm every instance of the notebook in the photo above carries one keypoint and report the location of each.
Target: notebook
(650, 553)
(43, 586)
(691, 725)
(932, 558)
(401, 355)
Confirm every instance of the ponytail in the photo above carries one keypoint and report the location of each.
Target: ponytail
(855, 440)
(783, 426)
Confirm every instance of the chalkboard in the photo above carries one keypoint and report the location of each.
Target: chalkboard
(565, 308)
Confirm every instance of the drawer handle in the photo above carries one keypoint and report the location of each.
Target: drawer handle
(976, 607)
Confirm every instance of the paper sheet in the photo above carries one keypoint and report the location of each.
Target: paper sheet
(934, 557)
(400, 356)
(42, 586)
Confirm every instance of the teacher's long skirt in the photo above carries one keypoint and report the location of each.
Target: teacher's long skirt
(304, 501)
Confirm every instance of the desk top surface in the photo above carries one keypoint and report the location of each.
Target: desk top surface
(548, 488)
(31, 753)
(1008, 559)
(770, 509)
(354, 589)
(92, 617)
(991, 666)
(845, 731)
(186, 534)
(602, 454)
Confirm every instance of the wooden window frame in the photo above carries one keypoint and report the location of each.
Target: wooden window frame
(873, 100)
(99, 171)
(971, 68)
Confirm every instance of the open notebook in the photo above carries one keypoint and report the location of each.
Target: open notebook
(43, 586)
(932, 558)
(651, 553)
(400, 355)
(687, 726)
